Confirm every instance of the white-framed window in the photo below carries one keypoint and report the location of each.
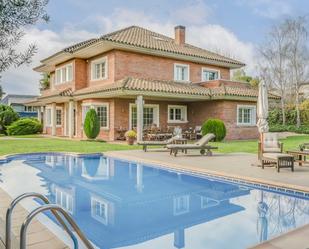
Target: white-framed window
(64, 199)
(181, 72)
(210, 74)
(99, 69)
(181, 204)
(150, 115)
(64, 74)
(99, 210)
(208, 202)
(102, 110)
(48, 117)
(58, 117)
(177, 114)
(246, 115)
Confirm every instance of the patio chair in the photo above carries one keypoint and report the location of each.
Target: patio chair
(270, 152)
(164, 143)
(201, 145)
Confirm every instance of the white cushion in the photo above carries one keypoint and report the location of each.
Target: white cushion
(275, 156)
(270, 140)
(272, 150)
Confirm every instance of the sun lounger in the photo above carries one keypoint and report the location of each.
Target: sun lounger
(201, 145)
(145, 144)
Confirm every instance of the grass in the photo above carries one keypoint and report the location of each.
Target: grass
(35, 143)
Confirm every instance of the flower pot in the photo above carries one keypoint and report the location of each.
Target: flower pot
(130, 140)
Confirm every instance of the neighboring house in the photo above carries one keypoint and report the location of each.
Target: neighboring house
(18, 101)
(135, 77)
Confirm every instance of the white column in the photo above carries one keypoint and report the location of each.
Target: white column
(39, 110)
(139, 178)
(71, 118)
(53, 119)
(140, 110)
(44, 118)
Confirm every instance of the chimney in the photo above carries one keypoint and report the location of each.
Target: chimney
(180, 35)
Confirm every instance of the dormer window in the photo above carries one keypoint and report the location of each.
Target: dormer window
(210, 74)
(64, 74)
(99, 69)
(181, 72)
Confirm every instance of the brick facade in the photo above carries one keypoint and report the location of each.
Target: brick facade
(121, 64)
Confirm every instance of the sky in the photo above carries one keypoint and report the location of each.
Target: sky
(235, 28)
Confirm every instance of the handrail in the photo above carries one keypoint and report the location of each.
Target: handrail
(8, 223)
(51, 207)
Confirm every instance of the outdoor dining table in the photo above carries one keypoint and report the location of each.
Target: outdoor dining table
(299, 156)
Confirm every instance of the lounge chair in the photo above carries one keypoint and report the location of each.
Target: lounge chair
(145, 144)
(271, 152)
(201, 145)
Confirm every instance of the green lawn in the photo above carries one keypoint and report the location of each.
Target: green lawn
(24, 144)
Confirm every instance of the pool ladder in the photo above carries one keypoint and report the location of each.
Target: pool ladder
(60, 214)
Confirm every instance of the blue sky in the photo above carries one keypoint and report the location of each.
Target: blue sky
(234, 28)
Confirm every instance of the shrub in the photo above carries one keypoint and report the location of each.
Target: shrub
(7, 117)
(303, 129)
(92, 124)
(24, 126)
(215, 126)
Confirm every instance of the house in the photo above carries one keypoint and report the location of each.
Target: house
(134, 78)
(18, 101)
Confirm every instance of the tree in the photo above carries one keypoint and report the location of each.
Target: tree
(298, 58)
(7, 117)
(15, 16)
(92, 124)
(274, 65)
(45, 81)
(1, 92)
(240, 75)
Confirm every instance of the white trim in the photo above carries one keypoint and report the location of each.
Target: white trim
(253, 117)
(94, 105)
(210, 70)
(157, 116)
(185, 115)
(66, 74)
(182, 65)
(97, 61)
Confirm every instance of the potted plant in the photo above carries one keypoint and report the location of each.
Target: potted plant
(130, 136)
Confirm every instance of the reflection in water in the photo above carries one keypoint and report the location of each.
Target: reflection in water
(120, 204)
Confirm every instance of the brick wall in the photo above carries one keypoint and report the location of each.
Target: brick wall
(147, 66)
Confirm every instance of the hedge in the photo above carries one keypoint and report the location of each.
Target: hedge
(215, 126)
(25, 126)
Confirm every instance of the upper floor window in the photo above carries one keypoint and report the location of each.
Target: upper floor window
(210, 74)
(246, 115)
(64, 74)
(181, 72)
(99, 69)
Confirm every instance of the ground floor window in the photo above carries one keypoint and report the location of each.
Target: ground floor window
(177, 113)
(58, 117)
(102, 112)
(150, 115)
(246, 115)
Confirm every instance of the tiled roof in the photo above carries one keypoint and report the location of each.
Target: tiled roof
(144, 38)
(171, 87)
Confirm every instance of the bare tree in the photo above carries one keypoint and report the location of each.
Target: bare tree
(15, 16)
(298, 57)
(274, 62)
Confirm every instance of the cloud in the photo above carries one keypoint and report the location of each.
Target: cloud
(208, 36)
(272, 9)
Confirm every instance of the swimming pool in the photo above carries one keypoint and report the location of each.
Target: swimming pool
(120, 204)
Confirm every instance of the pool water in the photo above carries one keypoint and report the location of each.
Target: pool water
(121, 204)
